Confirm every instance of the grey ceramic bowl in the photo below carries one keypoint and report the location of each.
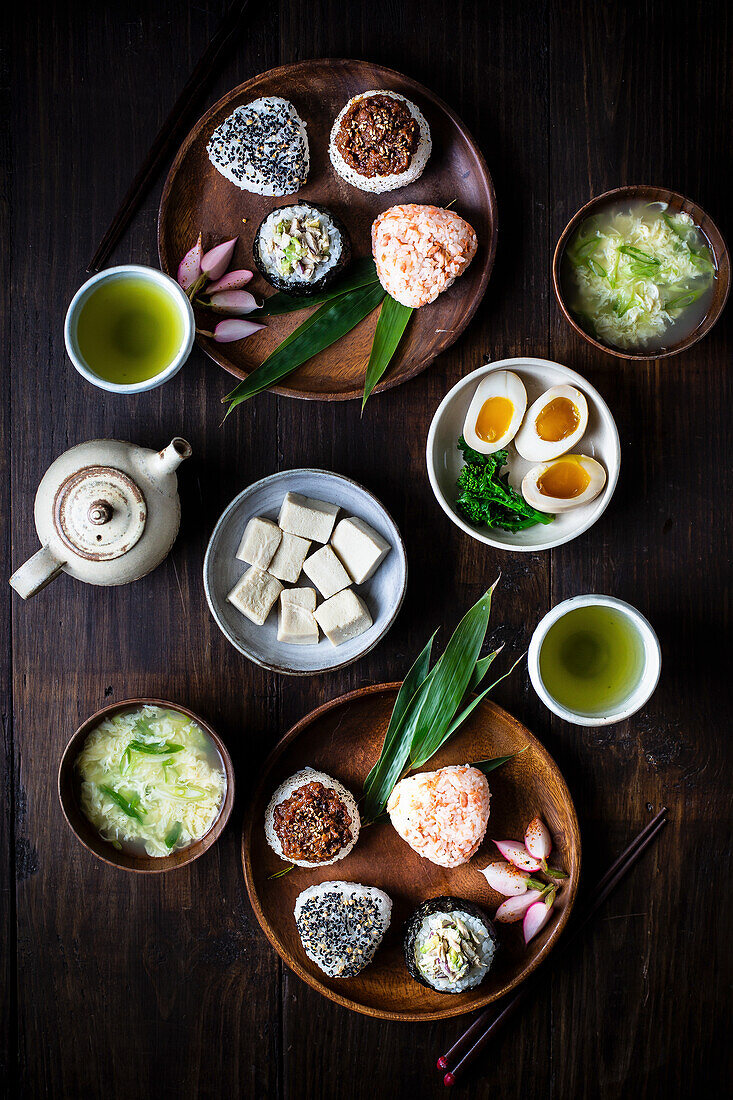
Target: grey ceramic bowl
(383, 593)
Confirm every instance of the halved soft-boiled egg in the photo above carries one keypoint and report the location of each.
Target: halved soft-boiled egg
(495, 412)
(563, 483)
(554, 423)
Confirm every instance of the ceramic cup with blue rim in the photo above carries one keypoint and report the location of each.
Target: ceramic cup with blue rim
(129, 329)
(594, 660)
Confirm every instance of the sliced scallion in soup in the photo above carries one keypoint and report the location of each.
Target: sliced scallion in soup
(151, 780)
(638, 276)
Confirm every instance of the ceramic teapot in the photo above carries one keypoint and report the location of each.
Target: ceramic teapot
(106, 512)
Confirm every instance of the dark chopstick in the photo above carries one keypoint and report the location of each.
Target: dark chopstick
(481, 1030)
(170, 132)
(479, 1023)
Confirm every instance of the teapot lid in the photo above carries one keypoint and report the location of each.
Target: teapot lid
(99, 513)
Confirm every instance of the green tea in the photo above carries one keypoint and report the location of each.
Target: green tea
(592, 659)
(129, 330)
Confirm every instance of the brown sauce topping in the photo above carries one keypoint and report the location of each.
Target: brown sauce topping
(313, 824)
(378, 136)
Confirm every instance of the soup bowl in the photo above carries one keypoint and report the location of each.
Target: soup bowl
(86, 833)
(677, 203)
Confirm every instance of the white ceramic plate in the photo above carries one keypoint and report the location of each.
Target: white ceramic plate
(383, 593)
(445, 462)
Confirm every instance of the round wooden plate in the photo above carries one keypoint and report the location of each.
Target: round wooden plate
(196, 197)
(344, 738)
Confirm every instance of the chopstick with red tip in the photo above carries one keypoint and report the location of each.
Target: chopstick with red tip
(478, 1034)
(170, 132)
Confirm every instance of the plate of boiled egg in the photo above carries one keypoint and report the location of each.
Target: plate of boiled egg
(551, 439)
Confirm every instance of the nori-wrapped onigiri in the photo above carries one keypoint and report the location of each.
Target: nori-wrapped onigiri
(449, 944)
(301, 248)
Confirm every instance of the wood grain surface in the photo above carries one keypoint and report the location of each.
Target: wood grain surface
(196, 198)
(343, 738)
(126, 987)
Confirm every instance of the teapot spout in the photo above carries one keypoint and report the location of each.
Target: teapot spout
(169, 459)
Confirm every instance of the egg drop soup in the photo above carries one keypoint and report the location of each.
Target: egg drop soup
(638, 276)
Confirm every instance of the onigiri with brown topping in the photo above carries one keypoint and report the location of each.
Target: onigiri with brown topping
(380, 141)
(312, 820)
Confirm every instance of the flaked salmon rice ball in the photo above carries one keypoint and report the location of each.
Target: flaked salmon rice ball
(442, 815)
(420, 251)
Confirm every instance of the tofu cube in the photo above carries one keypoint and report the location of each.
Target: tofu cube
(360, 547)
(296, 625)
(260, 540)
(254, 594)
(289, 557)
(305, 516)
(302, 597)
(343, 617)
(326, 572)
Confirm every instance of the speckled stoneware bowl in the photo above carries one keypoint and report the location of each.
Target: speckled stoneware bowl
(383, 593)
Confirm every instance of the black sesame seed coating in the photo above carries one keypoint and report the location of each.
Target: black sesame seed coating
(341, 931)
(262, 144)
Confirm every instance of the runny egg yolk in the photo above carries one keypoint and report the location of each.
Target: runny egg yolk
(563, 480)
(557, 420)
(494, 418)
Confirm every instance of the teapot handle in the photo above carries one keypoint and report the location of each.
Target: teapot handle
(36, 573)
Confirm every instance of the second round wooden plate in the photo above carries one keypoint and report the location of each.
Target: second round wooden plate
(197, 198)
(344, 738)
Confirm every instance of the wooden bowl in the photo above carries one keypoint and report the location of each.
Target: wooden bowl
(677, 203)
(344, 738)
(88, 835)
(198, 198)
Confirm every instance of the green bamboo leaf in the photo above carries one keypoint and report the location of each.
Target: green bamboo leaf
(459, 719)
(324, 327)
(383, 819)
(447, 684)
(487, 766)
(395, 750)
(362, 272)
(391, 324)
(481, 668)
(425, 711)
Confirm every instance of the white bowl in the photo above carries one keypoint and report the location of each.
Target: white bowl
(445, 461)
(125, 272)
(647, 681)
(383, 593)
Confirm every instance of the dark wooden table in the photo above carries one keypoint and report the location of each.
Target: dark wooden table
(127, 987)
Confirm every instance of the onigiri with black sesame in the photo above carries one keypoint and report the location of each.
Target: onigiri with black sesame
(262, 147)
(341, 925)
